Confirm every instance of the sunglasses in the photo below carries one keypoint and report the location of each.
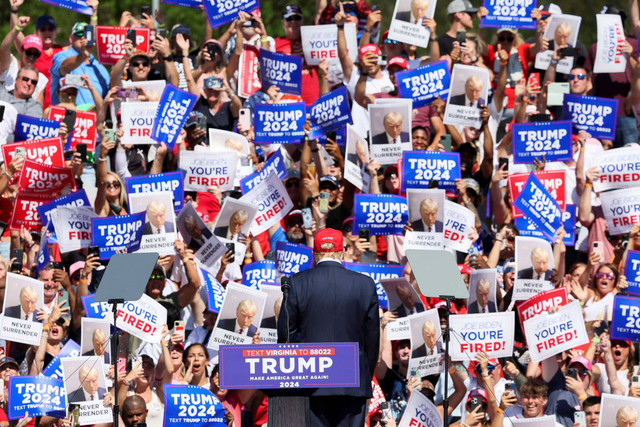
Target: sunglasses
(511, 238)
(390, 41)
(27, 80)
(509, 269)
(579, 76)
(609, 276)
(293, 18)
(391, 176)
(290, 184)
(114, 184)
(378, 423)
(503, 39)
(347, 229)
(295, 223)
(157, 277)
(75, 277)
(47, 28)
(136, 64)
(32, 52)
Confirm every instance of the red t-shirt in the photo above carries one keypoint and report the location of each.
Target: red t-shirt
(43, 64)
(524, 55)
(310, 83)
(208, 206)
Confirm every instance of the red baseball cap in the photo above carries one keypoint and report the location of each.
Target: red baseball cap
(328, 235)
(370, 48)
(399, 61)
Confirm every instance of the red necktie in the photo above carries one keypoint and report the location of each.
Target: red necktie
(470, 103)
(158, 231)
(26, 317)
(241, 331)
(91, 397)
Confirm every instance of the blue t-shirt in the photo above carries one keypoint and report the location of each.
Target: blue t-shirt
(97, 73)
(562, 402)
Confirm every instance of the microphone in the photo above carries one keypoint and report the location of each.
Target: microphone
(285, 285)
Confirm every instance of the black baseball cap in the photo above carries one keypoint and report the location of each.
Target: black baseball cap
(292, 10)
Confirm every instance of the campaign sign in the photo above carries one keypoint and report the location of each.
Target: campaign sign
(110, 42)
(330, 112)
(45, 210)
(30, 128)
(192, 4)
(474, 333)
(550, 334)
(43, 257)
(419, 412)
(138, 119)
(173, 111)
(381, 214)
(220, 12)
(273, 203)
(79, 6)
(170, 181)
(619, 168)
(598, 116)
(377, 272)
(203, 169)
(191, 404)
(458, 222)
(281, 70)
(54, 368)
(289, 365)
(38, 178)
(248, 76)
(611, 40)
(279, 123)
(84, 128)
(143, 318)
(509, 13)
(96, 310)
(626, 318)
(419, 168)
(25, 211)
(529, 229)
(292, 258)
(274, 164)
(632, 272)
(321, 42)
(424, 84)
(215, 291)
(37, 396)
(621, 209)
(259, 272)
(537, 139)
(73, 227)
(540, 207)
(116, 233)
(553, 181)
(542, 302)
(47, 151)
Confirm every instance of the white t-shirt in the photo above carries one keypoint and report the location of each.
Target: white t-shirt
(10, 74)
(360, 115)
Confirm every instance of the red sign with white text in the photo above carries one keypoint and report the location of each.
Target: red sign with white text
(110, 42)
(248, 79)
(47, 151)
(554, 182)
(542, 302)
(38, 178)
(25, 213)
(84, 128)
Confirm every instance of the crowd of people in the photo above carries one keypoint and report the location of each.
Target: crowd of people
(35, 71)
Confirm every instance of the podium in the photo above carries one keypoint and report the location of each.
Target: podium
(285, 411)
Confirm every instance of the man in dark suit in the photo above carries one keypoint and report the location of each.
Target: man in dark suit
(482, 303)
(329, 303)
(539, 269)
(416, 14)
(409, 305)
(99, 340)
(431, 344)
(27, 308)
(428, 217)
(471, 96)
(157, 224)
(242, 323)
(89, 390)
(392, 130)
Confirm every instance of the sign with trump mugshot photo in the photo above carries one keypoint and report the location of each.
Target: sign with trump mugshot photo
(469, 93)
(24, 299)
(159, 232)
(85, 384)
(409, 19)
(534, 267)
(426, 219)
(390, 131)
(427, 352)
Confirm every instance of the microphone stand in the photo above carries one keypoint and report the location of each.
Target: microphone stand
(285, 285)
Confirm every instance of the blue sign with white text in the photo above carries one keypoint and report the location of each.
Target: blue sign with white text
(537, 139)
(192, 4)
(424, 84)
(509, 14)
(173, 111)
(419, 168)
(632, 272)
(36, 396)
(221, 12)
(330, 112)
(281, 70)
(528, 228)
(381, 214)
(279, 123)
(186, 403)
(94, 309)
(29, 128)
(215, 291)
(598, 116)
(275, 163)
(538, 204)
(292, 258)
(116, 233)
(377, 272)
(259, 272)
(625, 324)
(79, 6)
(78, 198)
(170, 181)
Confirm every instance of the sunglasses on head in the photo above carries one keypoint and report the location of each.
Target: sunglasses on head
(503, 39)
(114, 184)
(609, 276)
(580, 76)
(157, 277)
(292, 183)
(293, 18)
(391, 41)
(136, 64)
(27, 80)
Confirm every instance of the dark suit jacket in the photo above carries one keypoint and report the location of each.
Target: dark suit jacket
(78, 395)
(402, 312)
(381, 138)
(230, 325)
(93, 353)
(14, 312)
(459, 100)
(168, 227)
(269, 323)
(474, 308)
(527, 273)
(422, 350)
(329, 303)
(404, 16)
(417, 226)
(194, 245)
(222, 232)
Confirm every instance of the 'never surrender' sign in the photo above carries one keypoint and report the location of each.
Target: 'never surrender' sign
(537, 139)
